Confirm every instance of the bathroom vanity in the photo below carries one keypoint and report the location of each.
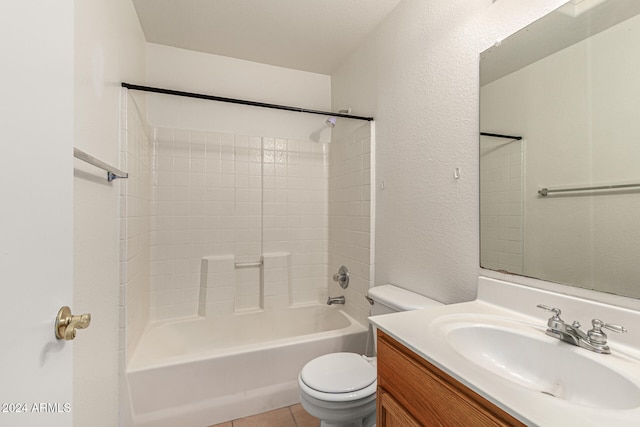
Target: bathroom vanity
(492, 362)
(413, 392)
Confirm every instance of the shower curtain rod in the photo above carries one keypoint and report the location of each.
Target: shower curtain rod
(240, 101)
(499, 135)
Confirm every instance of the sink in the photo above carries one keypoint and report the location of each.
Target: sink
(497, 347)
(524, 355)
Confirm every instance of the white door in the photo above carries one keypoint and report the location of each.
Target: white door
(36, 207)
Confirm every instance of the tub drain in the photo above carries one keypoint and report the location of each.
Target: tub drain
(548, 394)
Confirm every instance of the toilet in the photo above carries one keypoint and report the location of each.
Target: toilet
(340, 388)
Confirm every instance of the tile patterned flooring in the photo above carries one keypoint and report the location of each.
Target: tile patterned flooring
(291, 416)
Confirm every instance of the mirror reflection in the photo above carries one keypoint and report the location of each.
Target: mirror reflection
(560, 150)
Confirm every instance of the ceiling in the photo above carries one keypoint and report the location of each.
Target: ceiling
(308, 35)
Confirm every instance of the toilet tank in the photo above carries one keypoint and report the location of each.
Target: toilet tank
(391, 299)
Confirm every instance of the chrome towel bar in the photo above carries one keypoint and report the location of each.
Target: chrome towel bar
(112, 172)
(546, 191)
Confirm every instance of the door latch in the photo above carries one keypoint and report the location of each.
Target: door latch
(66, 323)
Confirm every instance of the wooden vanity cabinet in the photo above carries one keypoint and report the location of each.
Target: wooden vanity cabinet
(413, 392)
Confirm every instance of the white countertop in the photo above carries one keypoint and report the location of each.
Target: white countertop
(421, 331)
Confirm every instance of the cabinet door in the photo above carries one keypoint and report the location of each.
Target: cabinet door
(391, 414)
(430, 396)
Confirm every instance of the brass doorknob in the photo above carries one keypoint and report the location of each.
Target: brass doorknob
(66, 323)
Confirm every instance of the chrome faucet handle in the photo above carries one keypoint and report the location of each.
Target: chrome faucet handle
(342, 277)
(556, 311)
(598, 338)
(597, 323)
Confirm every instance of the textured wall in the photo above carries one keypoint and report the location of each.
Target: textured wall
(417, 74)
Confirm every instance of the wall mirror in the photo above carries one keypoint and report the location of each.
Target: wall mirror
(560, 148)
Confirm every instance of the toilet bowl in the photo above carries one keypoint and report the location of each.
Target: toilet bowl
(340, 388)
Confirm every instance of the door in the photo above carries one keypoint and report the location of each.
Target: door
(36, 205)
(391, 413)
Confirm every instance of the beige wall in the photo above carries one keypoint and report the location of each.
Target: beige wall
(109, 48)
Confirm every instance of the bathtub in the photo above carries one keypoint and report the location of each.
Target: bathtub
(203, 371)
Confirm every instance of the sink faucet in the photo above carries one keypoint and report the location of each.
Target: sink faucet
(335, 300)
(593, 340)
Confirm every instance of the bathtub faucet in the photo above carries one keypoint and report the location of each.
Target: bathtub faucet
(335, 300)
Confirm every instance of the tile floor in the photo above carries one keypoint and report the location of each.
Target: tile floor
(292, 416)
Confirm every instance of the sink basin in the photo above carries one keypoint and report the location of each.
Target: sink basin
(497, 347)
(526, 356)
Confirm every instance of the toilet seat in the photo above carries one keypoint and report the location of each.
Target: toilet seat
(338, 377)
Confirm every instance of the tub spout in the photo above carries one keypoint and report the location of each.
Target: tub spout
(335, 300)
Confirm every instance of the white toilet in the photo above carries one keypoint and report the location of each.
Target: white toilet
(340, 388)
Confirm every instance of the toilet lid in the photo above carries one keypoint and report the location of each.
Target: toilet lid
(338, 373)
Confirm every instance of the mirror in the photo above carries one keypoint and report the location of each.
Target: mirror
(562, 203)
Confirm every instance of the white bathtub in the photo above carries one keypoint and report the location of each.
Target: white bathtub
(203, 371)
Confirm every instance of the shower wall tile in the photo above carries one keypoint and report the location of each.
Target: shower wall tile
(278, 280)
(217, 286)
(350, 217)
(230, 198)
(501, 205)
(232, 195)
(135, 208)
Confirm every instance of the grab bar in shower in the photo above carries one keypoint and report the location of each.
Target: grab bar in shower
(112, 172)
(248, 264)
(546, 191)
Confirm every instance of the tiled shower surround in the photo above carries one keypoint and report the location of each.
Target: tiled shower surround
(350, 217)
(501, 204)
(221, 199)
(135, 211)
